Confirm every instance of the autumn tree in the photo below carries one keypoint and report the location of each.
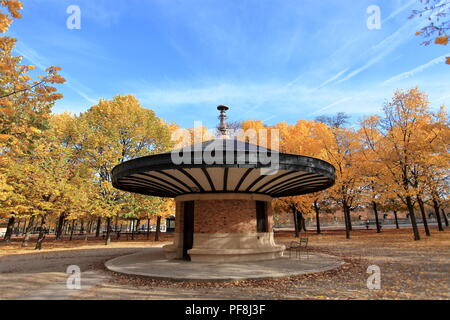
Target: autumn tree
(431, 172)
(389, 202)
(13, 203)
(436, 13)
(25, 107)
(376, 189)
(254, 132)
(302, 139)
(9, 9)
(110, 133)
(397, 141)
(341, 147)
(138, 207)
(165, 209)
(298, 207)
(46, 184)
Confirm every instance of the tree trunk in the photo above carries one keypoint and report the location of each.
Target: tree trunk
(9, 230)
(18, 228)
(377, 221)
(438, 214)
(133, 225)
(41, 236)
(24, 227)
(299, 220)
(445, 217)
(148, 229)
(27, 235)
(108, 231)
(294, 212)
(99, 223)
(349, 218)
(158, 228)
(138, 222)
(424, 217)
(86, 234)
(347, 228)
(396, 219)
(302, 221)
(136, 228)
(316, 208)
(59, 228)
(413, 218)
(82, 226)
(71, 230)
(64, 229)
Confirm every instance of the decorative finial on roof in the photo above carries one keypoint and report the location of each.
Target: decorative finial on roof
(223, 124)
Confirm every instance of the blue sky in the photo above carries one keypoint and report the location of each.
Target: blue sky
(272, 60)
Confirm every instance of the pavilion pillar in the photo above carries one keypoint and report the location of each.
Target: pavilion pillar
(225, 228)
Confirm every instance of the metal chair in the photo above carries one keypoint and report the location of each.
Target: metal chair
(299, 246)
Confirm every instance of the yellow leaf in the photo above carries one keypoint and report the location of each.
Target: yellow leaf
(4, 137)
(441, 40)
(34, 130)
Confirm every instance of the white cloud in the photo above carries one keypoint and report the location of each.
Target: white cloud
(385, 47)
(41, 62)
(321, 110)
(400, 10)
(32, 56)
(408, 74)
(334, 78)
(391, 43)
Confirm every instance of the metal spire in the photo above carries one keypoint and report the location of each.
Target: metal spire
(223, 117)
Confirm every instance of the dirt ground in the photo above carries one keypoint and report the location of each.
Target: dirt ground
(409, 270)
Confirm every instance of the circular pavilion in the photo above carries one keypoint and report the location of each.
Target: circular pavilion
(223, 190)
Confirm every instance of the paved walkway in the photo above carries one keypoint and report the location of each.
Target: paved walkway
(152, 263)
(60, 290)
(43, 275)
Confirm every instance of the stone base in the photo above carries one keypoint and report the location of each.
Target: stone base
(234, 255)
(228, 247)
(175, 250)
(171, 252)
(152, 263)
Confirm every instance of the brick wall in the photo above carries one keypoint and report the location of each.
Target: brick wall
(223, 216)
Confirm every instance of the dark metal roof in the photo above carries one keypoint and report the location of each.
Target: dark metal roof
(240, 171)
